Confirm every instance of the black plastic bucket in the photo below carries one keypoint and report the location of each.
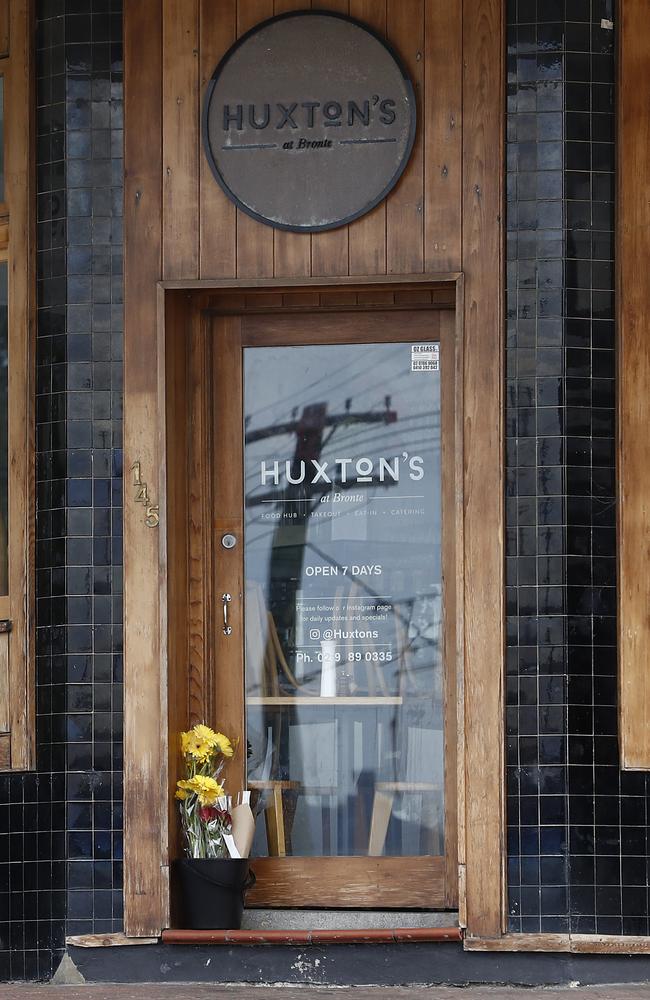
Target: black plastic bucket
(212, 891)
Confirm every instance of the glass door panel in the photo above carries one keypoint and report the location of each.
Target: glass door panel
(343, 599)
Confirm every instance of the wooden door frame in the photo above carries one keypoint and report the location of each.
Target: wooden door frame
(213, 496)
(479, 238)
(480, 738)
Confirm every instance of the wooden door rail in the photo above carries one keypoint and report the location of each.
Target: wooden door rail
(383, 935)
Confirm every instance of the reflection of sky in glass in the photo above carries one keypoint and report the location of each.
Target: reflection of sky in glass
(323, 404)
(354, 377)
(4, 411)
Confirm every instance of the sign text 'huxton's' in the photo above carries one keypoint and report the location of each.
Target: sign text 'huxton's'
(309, 121)
(342, 470)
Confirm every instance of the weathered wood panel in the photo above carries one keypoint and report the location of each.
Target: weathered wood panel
(417, 228)
(367, 237)
(21, 203)
(4, 28)
(404, 208)
(352, 882)
(180, 138)
(5, 690)
(292, 251)
(145, 785)
(218, 221)
(633, 212)
(482, 259)
(196, 416)
(178, 521)
(329, 250)
(443, 89)
(254, 240)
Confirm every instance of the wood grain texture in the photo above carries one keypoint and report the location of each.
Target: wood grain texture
(329, 250)
(218, 216)
(228, 710)
(482, 258)
(197, 416)
(577, 944)
(442, 122)
(5, 703)
(339, 328)
(254, 240)
(4, 28)
(180, 138)
(417, 226)
(405, 207)
(367, 236)
(452, 519)
(5, 752)
(292, 251)
(633, 247)
(383, 883)
(179, 612)
(145, 768)
(21, 203)
(459, 551)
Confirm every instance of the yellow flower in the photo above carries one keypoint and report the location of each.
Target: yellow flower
(181, 794)
(207, 789)
(192, 746)
(217, 741)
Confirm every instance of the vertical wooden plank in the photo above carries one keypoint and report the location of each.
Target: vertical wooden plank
(218, 222)
(254, 239)
(228, 490)
(633, 248)
(367, 236)
(482, 252)
(292, 251)
(329, 250)
(5, 705)
(200, 509)
(177, 521)
(180, 139)
(145, 767)
(451, 536)
(4, 28)
(404, 209)
(443, 88)
(21, 201)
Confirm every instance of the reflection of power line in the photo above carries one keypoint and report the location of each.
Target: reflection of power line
(353, 434)
(298, 396)
(356, 433)
(333, 420)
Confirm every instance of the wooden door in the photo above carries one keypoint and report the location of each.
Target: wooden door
(332, 596)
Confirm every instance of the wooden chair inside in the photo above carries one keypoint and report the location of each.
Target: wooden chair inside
(279, 813)
(382, 810)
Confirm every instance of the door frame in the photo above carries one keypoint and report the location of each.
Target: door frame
(480, 736)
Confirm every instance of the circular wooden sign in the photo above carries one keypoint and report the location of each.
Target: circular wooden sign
(309, 121)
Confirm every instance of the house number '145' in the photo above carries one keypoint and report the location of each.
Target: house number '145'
(151, 510)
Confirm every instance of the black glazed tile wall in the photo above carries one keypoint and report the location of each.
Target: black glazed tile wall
(61, 827)
(577, 825)
(93, 565)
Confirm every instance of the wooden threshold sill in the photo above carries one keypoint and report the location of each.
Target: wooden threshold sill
(302, 937)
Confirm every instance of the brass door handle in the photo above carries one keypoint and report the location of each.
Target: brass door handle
(227, 629)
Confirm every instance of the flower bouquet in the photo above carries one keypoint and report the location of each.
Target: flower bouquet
(202, 799)
(213, 876)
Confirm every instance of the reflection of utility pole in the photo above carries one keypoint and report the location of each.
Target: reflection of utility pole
(316, 415)
(286, 562)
